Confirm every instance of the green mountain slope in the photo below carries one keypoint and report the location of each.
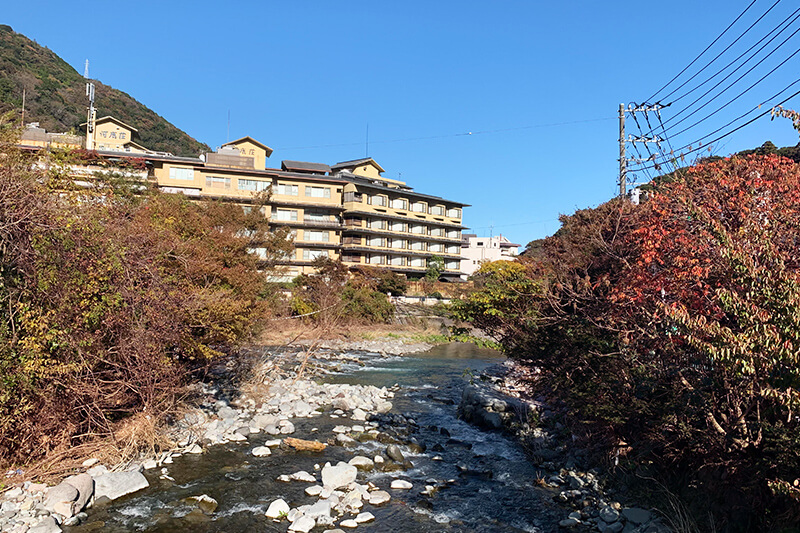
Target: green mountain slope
(55, 96)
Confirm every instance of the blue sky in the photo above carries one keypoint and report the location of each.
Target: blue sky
(538, 85)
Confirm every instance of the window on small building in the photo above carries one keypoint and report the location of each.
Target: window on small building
(286, 189)
(310, 255)
(316, 236)
(437, 210)
(399, 203)
(286, 215)
(253, 185)
(454, 212)
(176, 173)
(216, 182)
(419, 207)
(318, 192)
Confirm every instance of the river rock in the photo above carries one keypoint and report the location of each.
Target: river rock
(261, 451)
(117, 484)
(609, 515)
(47, 525)
(321, 509)
(338, 476)
(379, 497)
(302, 475)
(61, 495)
(359, 415)
(361, 462)
(401, 484)
(363, 518)
(303, 524)
(637, 515)
(204, 502)
(314, 490)
(393, 452)
(85, 487)
(277, 509)
(349, 523)
(569, 523)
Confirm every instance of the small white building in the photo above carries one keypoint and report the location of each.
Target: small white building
(478, 250)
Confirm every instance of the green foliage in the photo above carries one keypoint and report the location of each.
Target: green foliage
(435, 269)
(56, 98)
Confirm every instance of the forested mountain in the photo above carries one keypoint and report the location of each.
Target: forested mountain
(55, 96)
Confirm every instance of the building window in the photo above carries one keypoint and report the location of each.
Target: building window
(353, 197)
(398, 227)
(419, 230)
(285, 215)
(376, 241)
(435, 247)
(215, 182)
(176, 173)
(310, 255)
(419, 207)
(399, 203)
(253, 185)
(318, 192)
(453, 234)
(437, 232)
(397, 243)
(418, 245)
(437, 210)
(316, 236)
(397, 261)
(418, 262)
(286, 190)
(452, 265)
(377, 200)
(377, 224)
(454, 212)
(455, 250)
(313, 216)
(377, 259)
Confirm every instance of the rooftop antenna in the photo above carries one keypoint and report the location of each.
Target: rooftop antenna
(92, 113)
(228, 133)
(366, 153)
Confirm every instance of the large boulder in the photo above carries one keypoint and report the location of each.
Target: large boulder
(117, 484)
(84, 484)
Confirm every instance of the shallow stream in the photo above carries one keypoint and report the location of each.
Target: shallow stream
(487, 485)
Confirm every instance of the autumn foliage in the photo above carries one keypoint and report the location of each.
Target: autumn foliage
(671, 331)
(109, 302)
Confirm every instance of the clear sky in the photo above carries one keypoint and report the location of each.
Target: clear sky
(538, 84)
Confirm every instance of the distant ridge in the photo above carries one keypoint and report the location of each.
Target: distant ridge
(56, 98)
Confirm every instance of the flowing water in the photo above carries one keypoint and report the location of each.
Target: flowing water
(487, 485)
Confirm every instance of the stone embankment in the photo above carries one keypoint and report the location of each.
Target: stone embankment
(491, 403)
(35, 508)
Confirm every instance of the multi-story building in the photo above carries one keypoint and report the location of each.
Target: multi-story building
(388, 224)
(348, 211)
(478, 250)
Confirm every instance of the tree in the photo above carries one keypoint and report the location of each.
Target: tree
(435, 268)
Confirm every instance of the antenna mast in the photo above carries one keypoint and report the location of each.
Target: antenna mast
(91, 116)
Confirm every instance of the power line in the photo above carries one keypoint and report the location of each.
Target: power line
(705, 145)
(718, 56)
(704, 51)
(451, 135)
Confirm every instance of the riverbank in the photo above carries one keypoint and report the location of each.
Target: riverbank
(277, 398)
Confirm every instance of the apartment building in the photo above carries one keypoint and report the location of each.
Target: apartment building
(347, 211)
(478, 250)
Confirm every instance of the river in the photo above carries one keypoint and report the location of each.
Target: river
(485, 482)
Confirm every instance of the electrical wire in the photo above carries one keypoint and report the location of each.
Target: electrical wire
(704, 51)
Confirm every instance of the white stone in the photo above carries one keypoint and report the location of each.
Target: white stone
(359, 414)
(117, 484)
(401, 484)
(88, 463)
(320, 509)
(379, 497)
(338, 476)
(365, 517)
(277, 509)
(361, 462)
(194, 448)
(273, 443)
(314, 490)
(341, 429)
(350, 523)
(303, 524)
(261, 451)
(302, 475)
(236, 437)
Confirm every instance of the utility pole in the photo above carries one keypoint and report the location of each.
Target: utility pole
(623, 161)
(623, 141)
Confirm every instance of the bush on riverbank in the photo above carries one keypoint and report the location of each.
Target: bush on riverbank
(671, 330)
(109, 301)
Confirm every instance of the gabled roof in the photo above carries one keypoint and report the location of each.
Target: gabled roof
(109, 118)
(302, 166)
(250, 139)
(357, 163)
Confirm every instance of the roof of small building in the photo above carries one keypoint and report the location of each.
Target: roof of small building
(303, 166)
(250, 139)
(357, 163)
(109, 118)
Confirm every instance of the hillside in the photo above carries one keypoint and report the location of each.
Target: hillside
(56, 97)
